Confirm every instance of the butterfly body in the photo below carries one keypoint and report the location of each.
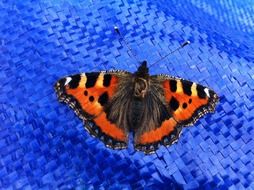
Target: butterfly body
(154, 108)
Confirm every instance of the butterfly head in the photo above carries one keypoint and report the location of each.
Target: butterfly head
(141, 80)
(143, 71)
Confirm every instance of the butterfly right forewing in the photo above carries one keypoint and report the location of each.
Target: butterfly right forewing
(186, 100)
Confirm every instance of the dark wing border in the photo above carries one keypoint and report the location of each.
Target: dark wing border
(166, 141)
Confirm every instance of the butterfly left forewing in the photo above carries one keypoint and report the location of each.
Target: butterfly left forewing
(88, 94)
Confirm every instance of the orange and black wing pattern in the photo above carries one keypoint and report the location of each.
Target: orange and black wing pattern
(88, 94)
(185, 101)
(188, 101)
(165, 134)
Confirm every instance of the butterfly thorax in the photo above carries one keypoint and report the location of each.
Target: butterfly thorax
(141, 79)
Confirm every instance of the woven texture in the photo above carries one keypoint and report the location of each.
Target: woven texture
(43, 145)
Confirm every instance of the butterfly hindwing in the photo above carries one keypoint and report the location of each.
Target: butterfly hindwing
(88, 94)
(166, 134)
(157, 126)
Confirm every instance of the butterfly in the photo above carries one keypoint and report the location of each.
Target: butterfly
(155, 108)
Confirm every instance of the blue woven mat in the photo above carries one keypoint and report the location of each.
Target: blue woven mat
(43, 145)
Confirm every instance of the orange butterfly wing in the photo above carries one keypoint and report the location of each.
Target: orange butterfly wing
(87, 94)
(186, 102)
(166, 134)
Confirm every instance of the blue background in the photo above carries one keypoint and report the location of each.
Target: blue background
(44, 145)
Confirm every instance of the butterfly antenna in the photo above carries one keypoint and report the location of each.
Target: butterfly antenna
(180, 47)
(125, 42)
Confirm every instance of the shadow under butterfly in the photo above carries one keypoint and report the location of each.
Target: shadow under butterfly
(155, 108)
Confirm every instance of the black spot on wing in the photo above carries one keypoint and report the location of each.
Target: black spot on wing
(187, 87)
(106, 80)
(201, 92)
(103, 99)
(184, 105)
(91, 98)
(172, 84)
(174, 104)
(75, 79)
(91, 79)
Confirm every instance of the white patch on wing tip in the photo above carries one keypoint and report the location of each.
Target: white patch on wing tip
(207, 92)
(68, 79)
